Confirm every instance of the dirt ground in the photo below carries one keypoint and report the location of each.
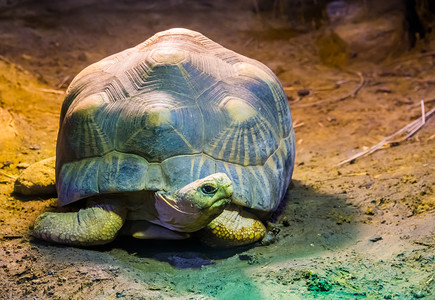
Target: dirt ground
(361, 230)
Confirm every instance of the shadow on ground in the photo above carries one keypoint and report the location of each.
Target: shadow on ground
(309, 222)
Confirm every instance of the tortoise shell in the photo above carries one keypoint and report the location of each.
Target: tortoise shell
(173, 109)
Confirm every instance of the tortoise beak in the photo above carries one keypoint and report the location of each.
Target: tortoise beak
(172, 203)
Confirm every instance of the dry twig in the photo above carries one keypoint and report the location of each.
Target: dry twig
(290, 88)
(52, 91)
(409, 130)
(425, 101)
(418, 56)
(64, 80)
(297, 124)
(7, 175)
(351, 94)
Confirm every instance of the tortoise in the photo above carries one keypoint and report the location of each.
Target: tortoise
(175, 137)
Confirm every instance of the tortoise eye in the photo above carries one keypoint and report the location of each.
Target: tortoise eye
(208, 189)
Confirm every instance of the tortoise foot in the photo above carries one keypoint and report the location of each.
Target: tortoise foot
(234, 227)
(91, 226)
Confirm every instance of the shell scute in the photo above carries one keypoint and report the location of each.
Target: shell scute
(121, 172)
(182, 170)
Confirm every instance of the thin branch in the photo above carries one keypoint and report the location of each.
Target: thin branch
(421, 55)
(409, 129)
(420, 125)
(297, 124)
(423, 116)
(52, 91)
(360, 85)
(351, 94)
(64, 80)
(7, 175)
(425, 101)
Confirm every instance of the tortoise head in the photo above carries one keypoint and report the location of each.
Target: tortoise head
(194, 206)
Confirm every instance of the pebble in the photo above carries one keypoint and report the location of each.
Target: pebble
(376, 238)
(23, 165)
(37, 179)
(303, 92)
(419, 294)
(285, 223)
(250, 258)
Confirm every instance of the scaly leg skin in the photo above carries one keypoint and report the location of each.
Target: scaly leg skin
(233, 227)
(97, 224)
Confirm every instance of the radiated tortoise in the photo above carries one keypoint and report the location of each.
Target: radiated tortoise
(174, 136)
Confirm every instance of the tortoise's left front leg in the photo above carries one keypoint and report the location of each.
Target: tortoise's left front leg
(233, 227)
(97, 224)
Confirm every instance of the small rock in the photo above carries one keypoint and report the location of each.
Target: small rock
(37, 179)
(7, 163)
(354, 35)
(417, 257)
(318, 284)
(271, 235)
(303, 92)
(419, 294)
(384, 90)
(250, 258)
(376, 238)
(23, 165)
(245, 256)
(369, 211)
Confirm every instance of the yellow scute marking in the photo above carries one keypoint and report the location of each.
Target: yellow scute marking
(87, 105)
(158, 115)
(238, 110)
(168, 55)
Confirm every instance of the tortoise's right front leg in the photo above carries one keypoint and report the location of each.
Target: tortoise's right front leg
(97, 224)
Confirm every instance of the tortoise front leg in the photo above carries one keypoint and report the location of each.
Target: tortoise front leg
(97, 224)
(233, 227)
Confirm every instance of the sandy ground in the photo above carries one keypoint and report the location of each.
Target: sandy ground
(361, 230)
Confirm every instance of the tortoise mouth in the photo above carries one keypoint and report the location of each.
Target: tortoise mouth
(171, 203)
(221, 202)
(184, 217)
(191, 209)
